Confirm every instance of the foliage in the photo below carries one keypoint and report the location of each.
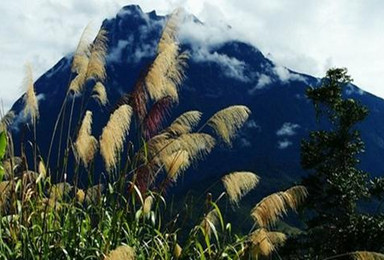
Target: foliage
(335, 183)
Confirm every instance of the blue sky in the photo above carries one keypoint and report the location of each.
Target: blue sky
(306, 36)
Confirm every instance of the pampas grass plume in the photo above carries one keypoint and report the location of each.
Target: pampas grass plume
(227, 121)
(147, 204)
(100, 94)
(122, 253)
(31, 107)
(114, 134)
(264, 242)
(86, 144)
(184, 123)
(238, 184)
(365, 255)
(96, 65)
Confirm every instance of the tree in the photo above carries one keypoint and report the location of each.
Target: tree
(335, 183)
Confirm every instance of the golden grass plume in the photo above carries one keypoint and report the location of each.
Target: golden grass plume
(167, 70)
(295, 196)
(269, 209)
(80, 58)
(209, 222)
(42, 172)
(198, 145)
(86, 144)
(77, 84)
(176, 163)
(227, 121)
(31, 107)
(265, 242)
(184, 123)
(100, 94)
(365, 255)
(177, 251)
(274, 206)
(96, 65)
(238, 184)
(114, 134)
(147, 206)
(123, 252)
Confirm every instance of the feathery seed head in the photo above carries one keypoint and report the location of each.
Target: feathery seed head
(264, 242)
(295, 196)
(167, 70)
(80, 58)
(177, 251)
(184, 123)
(228, 121)
(198, 145)
(80, 195)
(86, 144)
(100, 94)
(176, 163)
(42, 172)
(238, 184)
(96, 65)
(272, 207)
(147, 204)
(123, 252)
(269, 209)
(77, 84)
(210, 222)
(31, 107)
(365, 255)
(114, 134)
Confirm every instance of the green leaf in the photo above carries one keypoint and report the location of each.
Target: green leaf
(3, 144)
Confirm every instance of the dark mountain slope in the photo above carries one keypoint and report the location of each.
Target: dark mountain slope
(221, 72)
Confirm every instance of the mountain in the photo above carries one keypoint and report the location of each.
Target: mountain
(221, 72)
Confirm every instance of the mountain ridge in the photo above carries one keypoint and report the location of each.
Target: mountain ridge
(221, 72)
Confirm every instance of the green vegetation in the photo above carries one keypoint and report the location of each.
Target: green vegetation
(335, 224)
(123, 213)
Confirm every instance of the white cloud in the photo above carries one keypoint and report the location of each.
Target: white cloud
(262, 82)
(284, 144)
(231, 67)
(287, 129)
(344, 33)
(285, 76)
